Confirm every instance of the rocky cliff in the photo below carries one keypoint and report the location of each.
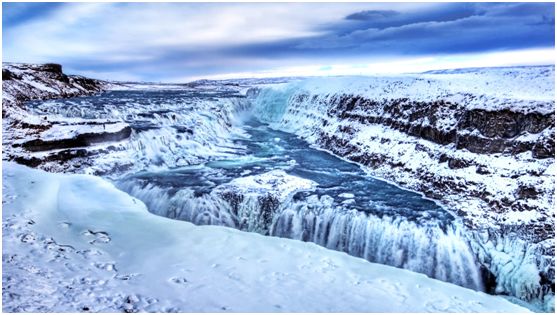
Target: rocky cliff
(31, 139)
(482, 142)
(24, 82)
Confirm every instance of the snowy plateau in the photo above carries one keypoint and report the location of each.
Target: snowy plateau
(428, 192)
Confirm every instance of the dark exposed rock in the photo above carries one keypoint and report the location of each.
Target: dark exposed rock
(50, 67)
(86, 83)
(496, 130)
(233, 199)
(443, 158)
(182, 129)
(6, 74)
(268, 206)
(458, 163)
(61, 156)
(525, 192)
(504, 123)
(545, 146)
(482, 170)
(482, 145)
(81, 140)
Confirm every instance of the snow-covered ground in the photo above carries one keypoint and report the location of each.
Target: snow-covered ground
(523, 89)
(75, 243)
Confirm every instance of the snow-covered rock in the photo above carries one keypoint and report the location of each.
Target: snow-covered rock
(74, 243)
(248, 203)
(33, 139)
(23, 82)
(479, 140)
(76, 134)
(275, 182)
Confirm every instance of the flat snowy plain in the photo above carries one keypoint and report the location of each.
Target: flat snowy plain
(76, 243)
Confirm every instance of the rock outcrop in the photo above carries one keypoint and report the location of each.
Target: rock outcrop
(32, 140)
(24, 82)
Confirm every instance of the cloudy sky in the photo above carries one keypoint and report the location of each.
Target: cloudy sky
(175, 42)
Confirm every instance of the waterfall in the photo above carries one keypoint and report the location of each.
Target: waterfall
(440, 252)
(436, 249)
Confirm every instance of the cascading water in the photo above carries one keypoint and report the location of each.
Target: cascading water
(441, 253)
(189, 149)
(437, 249)
(347, 210)
(169, 128)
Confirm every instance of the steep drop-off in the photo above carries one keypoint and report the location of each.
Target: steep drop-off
(480, 141)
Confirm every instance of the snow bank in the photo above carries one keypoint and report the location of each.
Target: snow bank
(66, 248)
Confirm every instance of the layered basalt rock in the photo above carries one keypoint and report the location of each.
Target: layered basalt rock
(476, 131)
(79, 140)
(445, 122)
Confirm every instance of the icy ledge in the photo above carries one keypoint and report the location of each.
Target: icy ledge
(275, 182)
(75, 243)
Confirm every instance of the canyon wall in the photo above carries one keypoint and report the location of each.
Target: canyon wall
(480, 141)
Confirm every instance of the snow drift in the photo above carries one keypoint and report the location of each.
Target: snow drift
(75, 243)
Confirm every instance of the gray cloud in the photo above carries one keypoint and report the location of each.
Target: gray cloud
(171, 40)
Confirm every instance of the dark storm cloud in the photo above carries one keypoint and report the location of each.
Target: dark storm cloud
(455, 28)
(390, 18)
